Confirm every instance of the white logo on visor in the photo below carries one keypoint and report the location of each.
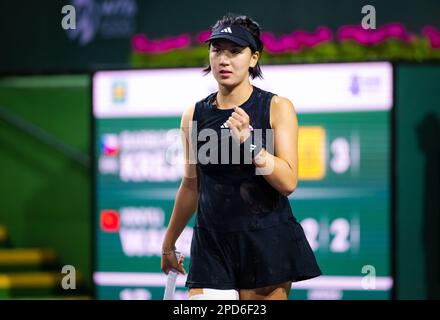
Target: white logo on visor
(228, 30)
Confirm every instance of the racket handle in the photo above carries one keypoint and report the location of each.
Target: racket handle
(170, 286)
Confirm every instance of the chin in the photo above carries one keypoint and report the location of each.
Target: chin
(226, 82)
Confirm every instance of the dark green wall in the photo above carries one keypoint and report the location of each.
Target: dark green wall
(418, 181)
(32, 38)
(45, 196)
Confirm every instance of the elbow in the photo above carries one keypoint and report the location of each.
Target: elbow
(189, 183)
(290, 188)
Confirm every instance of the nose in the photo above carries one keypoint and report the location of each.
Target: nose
(224, 59)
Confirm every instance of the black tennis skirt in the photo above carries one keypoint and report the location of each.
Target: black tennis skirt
(250, 259)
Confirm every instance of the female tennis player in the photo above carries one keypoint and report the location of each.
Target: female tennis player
(246, 244)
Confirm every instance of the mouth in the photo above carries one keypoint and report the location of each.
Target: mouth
(224, 73)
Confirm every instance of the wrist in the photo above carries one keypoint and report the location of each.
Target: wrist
(256, 145)
(253, 145)
(245, 135)
(168, 247)
(168, 252)
(260, 158)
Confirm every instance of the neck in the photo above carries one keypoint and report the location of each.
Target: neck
(228, 97)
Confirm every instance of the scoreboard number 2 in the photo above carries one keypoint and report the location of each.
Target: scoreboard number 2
(339, 229)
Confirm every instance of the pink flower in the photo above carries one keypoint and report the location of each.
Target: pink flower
(433, 36)
(140, 43)
(373, 36)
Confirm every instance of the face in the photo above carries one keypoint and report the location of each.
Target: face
(230, 62)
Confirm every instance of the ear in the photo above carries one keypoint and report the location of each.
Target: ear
(254, 59)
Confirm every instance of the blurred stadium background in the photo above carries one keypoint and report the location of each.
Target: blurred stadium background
(89, 164)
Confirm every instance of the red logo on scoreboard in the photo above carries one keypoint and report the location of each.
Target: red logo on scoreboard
(110, 221)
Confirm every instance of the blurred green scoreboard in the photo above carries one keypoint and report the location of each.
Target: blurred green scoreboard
(343, 199)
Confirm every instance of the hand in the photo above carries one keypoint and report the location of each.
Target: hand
(169, 262)
(238, 124)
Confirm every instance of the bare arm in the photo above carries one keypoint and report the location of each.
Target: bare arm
(281, 169)
(185, 203)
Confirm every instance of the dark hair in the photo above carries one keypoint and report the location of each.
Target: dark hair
(250, 25)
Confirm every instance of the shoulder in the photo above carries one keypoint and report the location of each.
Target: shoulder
(188, 113)
(281, 108)
(187, 116)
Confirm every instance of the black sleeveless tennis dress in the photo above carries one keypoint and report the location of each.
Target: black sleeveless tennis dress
(245, 234)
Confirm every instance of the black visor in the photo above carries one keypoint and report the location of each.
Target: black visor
(236, 34)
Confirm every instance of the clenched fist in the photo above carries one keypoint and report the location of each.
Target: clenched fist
(238, 123)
